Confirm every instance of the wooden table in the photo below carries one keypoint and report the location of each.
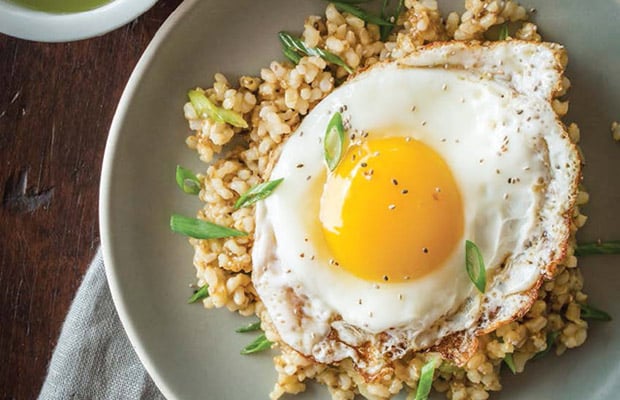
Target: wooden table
(56, 105)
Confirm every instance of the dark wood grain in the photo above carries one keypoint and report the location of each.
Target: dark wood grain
(56, 105)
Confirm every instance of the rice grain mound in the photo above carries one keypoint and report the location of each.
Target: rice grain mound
(273, 104)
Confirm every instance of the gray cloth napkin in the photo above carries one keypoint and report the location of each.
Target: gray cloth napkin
(93, 358)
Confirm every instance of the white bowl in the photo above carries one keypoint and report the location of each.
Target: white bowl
(25, 23)
(192, 353)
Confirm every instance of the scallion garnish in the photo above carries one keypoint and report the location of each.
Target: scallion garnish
(475, 266)
(291, 45)
(551, 338)
(291, 55)
(426, 380)
(333, 143)
(205, 108)
(586, 249)
(199, 294)
(257, 192)
(361, 14)
(510, 362)
(255, 326)
(199, 229)
(187, 181)
(593, 313)
(261, 343)
(503, 32)
(393, 17)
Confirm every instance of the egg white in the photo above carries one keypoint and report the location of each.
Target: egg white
(494, 139)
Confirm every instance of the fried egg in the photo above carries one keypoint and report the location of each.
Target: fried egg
(454, 142)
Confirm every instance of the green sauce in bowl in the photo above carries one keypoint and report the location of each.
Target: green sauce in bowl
(61, 6)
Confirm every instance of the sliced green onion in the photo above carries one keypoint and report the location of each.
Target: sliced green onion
(387, 30)
(199, 294)
(384, 30)
(593, 313)
(426, 380)
(255, 326)
(475, 266)
(291, 55)
(503, 32)
(187, 181)
(292, 44)
(333, 143)
(361, 14)
(257, 192)
(586, 249)
(261, 343)
(551, 338)
(510, 362)
(199, 229)
(205, 108)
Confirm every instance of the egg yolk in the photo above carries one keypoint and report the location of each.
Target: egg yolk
(391, 210)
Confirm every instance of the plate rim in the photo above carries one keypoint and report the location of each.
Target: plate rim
(109, 157)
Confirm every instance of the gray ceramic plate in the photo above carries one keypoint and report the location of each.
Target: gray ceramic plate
(192, 353)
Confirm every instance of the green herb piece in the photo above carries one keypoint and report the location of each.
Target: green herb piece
(551, 338)
(333, 143)
(510, 362)
(199, 294)
(255, 326)
(205, 108)
(257, 192)
(292, 44)
(199, 229)
(385, 30)
(586, 249)
(475, 266)
(393, 17)
(426, 380)
(291, 55)
(503, 32)
(187, 181)
(593, 313)
(384, 9)
(361, 14)
(261, 343)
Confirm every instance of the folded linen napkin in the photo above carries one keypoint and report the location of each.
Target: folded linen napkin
(93, 358)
